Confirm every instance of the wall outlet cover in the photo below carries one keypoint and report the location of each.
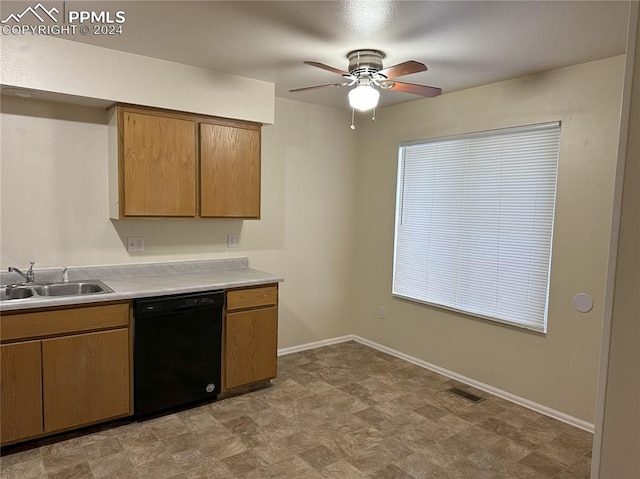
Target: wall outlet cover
(135, 244)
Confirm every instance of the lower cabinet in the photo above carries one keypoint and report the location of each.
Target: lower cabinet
(66, 368)
(67, 374)
(85, 379)
(250, 336)
(21, 391)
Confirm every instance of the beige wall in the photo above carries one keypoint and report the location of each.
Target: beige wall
(558, 370)
(84, 72)
(54, 207)
(620, 433)
(327, 221)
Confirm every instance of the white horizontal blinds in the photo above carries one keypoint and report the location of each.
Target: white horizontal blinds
(474, 223)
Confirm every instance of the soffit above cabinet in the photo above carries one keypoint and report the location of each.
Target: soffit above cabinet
(54, 68)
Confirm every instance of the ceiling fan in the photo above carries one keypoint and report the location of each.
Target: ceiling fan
(366, 73)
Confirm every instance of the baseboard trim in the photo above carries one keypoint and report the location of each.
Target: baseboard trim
(547, 411)
(316, 344)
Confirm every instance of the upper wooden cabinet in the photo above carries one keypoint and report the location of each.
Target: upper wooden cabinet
(229, 171)
(172, 164)
(159, 166)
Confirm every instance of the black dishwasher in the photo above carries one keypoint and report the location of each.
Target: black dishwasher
(177, 350)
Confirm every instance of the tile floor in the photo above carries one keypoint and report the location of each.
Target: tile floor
(342, 411)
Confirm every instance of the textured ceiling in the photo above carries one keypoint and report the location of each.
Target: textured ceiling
(464, 44)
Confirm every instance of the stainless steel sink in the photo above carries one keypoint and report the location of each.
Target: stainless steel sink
(72, 289)
(16, 292)
(75, 288)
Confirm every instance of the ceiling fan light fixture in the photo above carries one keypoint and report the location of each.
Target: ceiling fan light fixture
(369, 76)
(364, 97)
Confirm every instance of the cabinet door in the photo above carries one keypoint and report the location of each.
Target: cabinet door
(229, 171)
(158, 166)
(251, 342)
(85, 379)
(21, 386)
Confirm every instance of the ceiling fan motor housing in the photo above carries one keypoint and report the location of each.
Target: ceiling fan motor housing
(365, 62)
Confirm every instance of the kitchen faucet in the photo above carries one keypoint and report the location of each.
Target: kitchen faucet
(28, 276)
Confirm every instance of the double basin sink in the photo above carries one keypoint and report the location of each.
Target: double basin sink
(72, 288)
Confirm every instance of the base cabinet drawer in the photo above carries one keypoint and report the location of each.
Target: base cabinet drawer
(252, 298)
(40, 324)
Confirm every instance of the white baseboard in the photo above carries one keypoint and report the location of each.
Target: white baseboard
(547, 411)
(316, 344)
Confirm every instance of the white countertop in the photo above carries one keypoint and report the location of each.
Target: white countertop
(131, 281)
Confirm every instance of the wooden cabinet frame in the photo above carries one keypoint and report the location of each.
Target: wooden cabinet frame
(250, 342)
(63, 368)
(82, 356)
(228, 150)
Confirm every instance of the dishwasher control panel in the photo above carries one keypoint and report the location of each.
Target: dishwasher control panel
(163, 304)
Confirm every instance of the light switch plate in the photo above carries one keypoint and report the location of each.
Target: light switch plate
(135, 245)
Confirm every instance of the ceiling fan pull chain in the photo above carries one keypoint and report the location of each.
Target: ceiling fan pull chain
(353, 114)
(373, 117)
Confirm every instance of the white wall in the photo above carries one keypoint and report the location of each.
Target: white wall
(558, 370)
(54, 207)
(56, 68)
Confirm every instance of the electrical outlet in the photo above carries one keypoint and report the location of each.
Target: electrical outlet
(232, 241)
(135, 245)
(382, 312)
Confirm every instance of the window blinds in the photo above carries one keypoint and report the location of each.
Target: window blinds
(474, 223)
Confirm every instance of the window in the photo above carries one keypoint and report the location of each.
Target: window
(474, 223)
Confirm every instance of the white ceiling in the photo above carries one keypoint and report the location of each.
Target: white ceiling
(463, 43)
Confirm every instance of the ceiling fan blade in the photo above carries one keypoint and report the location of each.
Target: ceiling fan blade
(422, 90)
(317, 86)
(328, 68)
(404, 68)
